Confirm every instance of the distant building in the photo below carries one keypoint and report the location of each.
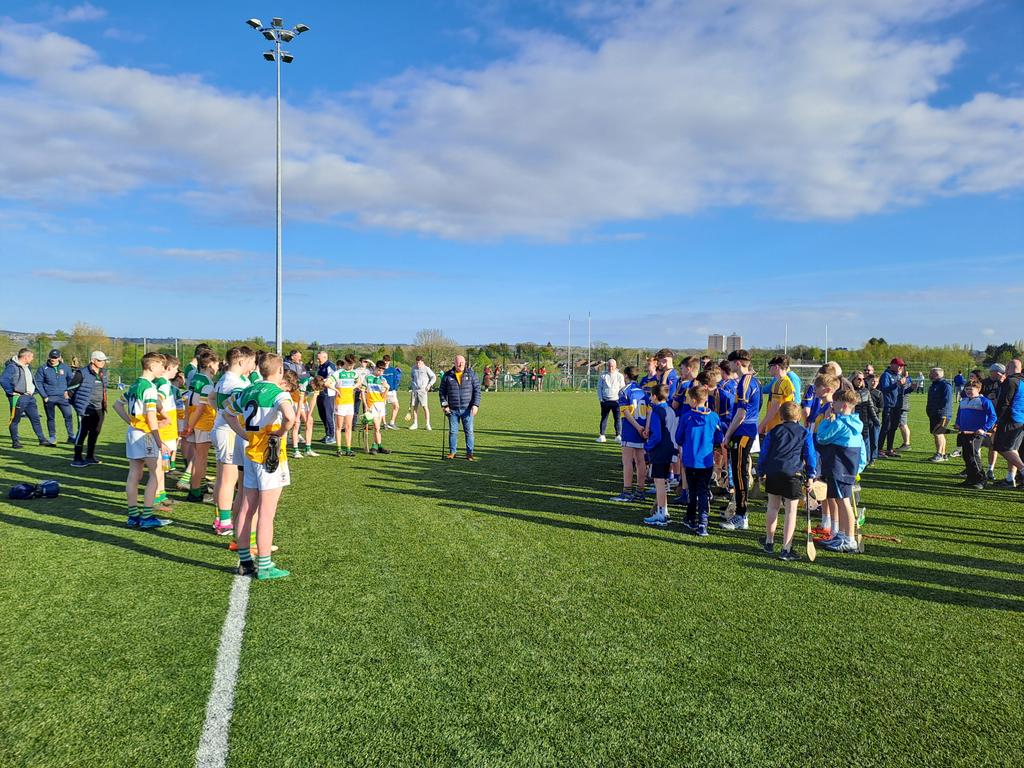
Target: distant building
(716, 342)
(733, 342)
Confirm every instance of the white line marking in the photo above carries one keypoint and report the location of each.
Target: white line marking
(213, 744)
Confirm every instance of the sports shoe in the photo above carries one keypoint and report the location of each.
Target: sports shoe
(470, 457)
(601, 438)
(429, 428)
(79, 463)
(329, 440)
(846, 546)
(70, 441)
(904, 447)
(938, 457)
(789, 555)
(48, 443)
(956, 453)
(735, 523)
(384, 450)
(1008, 482)
(348, 452)
(625, 497)
(248, 568)
(93, 460)
(639, 495)
(990, 475)
(652, 491)
(978, 486)
(153, 522)
(223, 529)
(414, 426)
(449, 455)
(658, 519)
(183, 485)
(702, 530)
(373, 451)
(833, 542)
(618, 438)
(768, 547)
(681, 500)
(133, 521)
(273, 572)
(16, 444)
(297, 454)
(311, 453)
(690, 525)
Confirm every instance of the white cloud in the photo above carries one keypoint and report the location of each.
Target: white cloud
(123, 35)
(76, 13)
(195, 254)
(805, 110)
(86, 277)
(988, 332)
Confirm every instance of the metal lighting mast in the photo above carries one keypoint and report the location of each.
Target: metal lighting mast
(278, 34)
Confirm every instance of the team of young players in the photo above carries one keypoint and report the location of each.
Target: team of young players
(244, 407)
(700, 428)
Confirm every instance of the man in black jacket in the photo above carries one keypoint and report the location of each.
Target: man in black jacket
(460, 400)
(52, 382)
(88, 393)
(19, 385)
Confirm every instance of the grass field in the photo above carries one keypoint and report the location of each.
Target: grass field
(503, 613)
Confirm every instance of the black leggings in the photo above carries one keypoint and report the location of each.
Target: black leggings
(739, 454)
(612, 407)
(89, 425)
(698, 481)
(890, 425)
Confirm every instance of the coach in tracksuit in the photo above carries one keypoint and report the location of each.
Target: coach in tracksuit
(325, 401)
(88, 390)
(19, 385)
(52, 382)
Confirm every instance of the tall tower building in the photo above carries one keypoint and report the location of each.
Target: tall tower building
(733, 342)
(716, 343)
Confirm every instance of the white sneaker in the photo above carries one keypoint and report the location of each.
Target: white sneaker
(659, 519)
(414, 426)
(429, 428)
(601, 438)
(298, 454)
(618, 438)
(735, 523)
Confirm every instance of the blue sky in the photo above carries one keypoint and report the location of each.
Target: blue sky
(673, 167)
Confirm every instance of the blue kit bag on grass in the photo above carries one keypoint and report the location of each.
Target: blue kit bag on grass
(48, 489)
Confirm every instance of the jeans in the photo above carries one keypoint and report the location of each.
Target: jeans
(612, 407)
(871, 432)
(89, 425)
(325, 407)
(466, 417)
(50, 406)
(26, 407)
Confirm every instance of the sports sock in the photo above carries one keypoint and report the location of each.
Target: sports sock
(224, 515)
(186, 477)
(244, 556)
(133, 511)
(147, 512)
(160, 497)
(263, 562)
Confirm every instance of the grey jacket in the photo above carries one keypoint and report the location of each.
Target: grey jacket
(609, 385)
(422, 379)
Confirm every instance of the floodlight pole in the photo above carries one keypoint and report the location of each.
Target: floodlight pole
(277, 323)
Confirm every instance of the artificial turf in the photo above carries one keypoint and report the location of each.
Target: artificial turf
(505, 613)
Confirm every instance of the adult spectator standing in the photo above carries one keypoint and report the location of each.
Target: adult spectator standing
(497, 377)
(893, 384)
(871, 383)
(393, 376)
(524, 377)
(940, 411)
(990, 389)
(421, 381)
(488, 378)
(460, 400)
(542, 372)
(1010, 421)
(865, 408)
(294, 363)
(52, 382)
(88, 395)
(325, 400)
(19, 384)
(608, 387)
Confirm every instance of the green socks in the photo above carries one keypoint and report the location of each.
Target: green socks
(224, 515)
(147, 512)
(161, 497)
(186, 477)
(244, 555)
(262, 562)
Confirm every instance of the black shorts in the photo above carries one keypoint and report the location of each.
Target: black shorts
(838, 489)
(935, 422)
(787, 486)
(1008, 437)
(660, 471)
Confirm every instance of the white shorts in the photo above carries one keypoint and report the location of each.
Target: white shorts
(225, 443)
(139, 445)
(348, 409)
(392, 396)
(419, 398)
(200, 436)
(378, 409)
(172, 445)
(633, 445)
(255, 476)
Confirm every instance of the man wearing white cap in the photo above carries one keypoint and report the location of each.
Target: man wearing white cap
(88, 393)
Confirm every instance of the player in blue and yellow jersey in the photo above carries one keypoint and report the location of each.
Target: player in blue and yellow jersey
(634, 406)
(650, 379)
(781, 391)
(143, 445)
(825, 386)
(741, 433)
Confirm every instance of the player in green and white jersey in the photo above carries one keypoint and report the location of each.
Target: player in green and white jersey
(228, 447)
(304, 413)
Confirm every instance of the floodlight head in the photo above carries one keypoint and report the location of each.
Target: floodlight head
(254, 23)
(286, 57)
(300, 28)
(277, 22)
(269, 34)
(287, 35)
(268, 55)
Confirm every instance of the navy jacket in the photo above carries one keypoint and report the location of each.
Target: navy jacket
(459, 397)
(52, 381)
(13, 380)
(659, 445)
(892, 391)
(82, 384)
(788, 450)
(940, 399)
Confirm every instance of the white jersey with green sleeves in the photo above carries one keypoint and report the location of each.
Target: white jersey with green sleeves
(228, 384)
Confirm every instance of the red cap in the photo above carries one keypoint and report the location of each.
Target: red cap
(897, 361)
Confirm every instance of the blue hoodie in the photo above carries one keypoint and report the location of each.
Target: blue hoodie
(841, 446)
(976, 414)
(787, 450)
(698, 432)
(659, 444)
(940, 399)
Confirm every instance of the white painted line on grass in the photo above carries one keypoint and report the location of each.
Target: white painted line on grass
(213, 744)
